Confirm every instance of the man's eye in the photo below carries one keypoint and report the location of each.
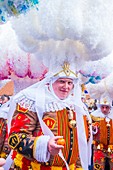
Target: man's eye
(70, 83)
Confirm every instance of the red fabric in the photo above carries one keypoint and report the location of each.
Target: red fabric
(14, 154)
(49, 168)
(42, 167)
(20, 122)
(98, 155)
(25, 164)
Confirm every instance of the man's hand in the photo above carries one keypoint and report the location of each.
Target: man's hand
(53, 147)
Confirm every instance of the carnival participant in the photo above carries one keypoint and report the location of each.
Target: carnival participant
(5, 150)
(102, 120)
(5, 98)
(4, 147)
(49, 127)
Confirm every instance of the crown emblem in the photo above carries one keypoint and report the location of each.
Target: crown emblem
(105, 101)
(66, 70)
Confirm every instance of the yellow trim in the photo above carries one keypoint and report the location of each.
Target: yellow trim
(13, 141)
(34, 146)
(35, 165)
(48, 121)
(18, 160)
(97, 166)
(96, 118)
(21, 109)
(3, 155)
(66, 70)
(72, 167)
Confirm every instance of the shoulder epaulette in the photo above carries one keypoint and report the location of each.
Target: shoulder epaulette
(25, 104)
(21, 109)
(94, 118)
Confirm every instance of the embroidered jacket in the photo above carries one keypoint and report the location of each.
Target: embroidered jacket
(25, 127)
(103, 138)
(4, 148)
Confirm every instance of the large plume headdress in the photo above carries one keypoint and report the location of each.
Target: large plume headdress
(104, 86)
(102, 91)
(54, 54)
(85, 21)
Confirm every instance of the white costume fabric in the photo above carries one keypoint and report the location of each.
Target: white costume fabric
(4, 109)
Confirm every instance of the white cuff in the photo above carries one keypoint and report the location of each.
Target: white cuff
(40, 149)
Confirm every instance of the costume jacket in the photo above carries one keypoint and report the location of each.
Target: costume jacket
(26, 130)
(4, 147)
(103, 138)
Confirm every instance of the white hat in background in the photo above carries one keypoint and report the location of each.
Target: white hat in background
(105, 100)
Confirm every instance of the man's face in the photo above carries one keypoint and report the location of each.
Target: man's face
(62, 87)
(105, 109)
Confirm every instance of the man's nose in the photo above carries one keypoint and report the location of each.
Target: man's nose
(104, 108)
(66, 85)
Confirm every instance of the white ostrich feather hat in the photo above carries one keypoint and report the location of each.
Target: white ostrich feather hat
(105, 100)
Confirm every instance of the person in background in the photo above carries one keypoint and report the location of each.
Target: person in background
(91, 104)
(5, 98)
(4, 109)
(49, 127)
(102, 120)
(0, 102)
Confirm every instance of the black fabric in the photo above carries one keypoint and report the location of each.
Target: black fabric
(92, 148)
(107, 165)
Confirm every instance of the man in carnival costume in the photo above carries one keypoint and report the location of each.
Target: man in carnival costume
(103, 134)
(45, 113)
(4, 148)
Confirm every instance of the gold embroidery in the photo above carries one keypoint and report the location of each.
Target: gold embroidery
(13, 141)
(66, 70)
(18, 160)
(50, 122)
(22, 109)
(96, 118)
(97, 166)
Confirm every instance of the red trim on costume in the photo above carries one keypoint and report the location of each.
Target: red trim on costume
(14, 154)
